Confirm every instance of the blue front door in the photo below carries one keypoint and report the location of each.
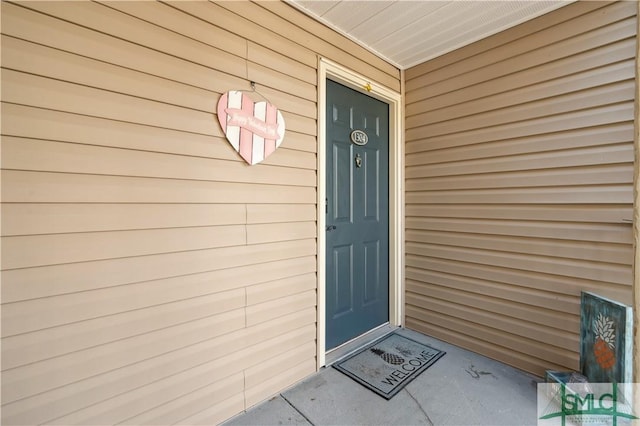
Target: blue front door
(357, 214)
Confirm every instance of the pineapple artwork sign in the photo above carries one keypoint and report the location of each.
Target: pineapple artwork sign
(604, 347)
(606, 336)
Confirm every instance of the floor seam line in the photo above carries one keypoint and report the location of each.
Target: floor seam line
(419, 406)
(295, 408)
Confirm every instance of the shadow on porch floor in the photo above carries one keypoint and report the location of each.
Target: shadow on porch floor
(462, 388)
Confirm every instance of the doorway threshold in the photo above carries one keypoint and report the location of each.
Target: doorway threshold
(346, 349)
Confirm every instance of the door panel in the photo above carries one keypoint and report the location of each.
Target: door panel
(371, 271)
(343, 280)
(343, 188)
(357, 215)
(371, 173)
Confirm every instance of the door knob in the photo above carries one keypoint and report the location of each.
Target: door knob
(331, 227)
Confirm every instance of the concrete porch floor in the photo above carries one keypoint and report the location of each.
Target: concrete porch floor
(461, 388)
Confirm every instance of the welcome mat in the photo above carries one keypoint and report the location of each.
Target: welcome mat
(389, 364)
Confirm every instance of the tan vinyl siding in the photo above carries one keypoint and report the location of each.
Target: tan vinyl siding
(149, 275)
(519, 183)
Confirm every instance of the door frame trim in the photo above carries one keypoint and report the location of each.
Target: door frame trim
(336, 72)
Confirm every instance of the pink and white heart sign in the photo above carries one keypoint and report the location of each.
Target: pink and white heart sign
(254, 129)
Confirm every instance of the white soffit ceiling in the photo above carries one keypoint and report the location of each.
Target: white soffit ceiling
(407, 33)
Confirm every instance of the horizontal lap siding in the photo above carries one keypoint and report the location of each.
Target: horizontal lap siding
(149, 275)
(519, 172)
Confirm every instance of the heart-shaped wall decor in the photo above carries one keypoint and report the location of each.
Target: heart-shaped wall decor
(254, 129)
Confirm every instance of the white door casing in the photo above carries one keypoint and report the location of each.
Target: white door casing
(351, 79)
